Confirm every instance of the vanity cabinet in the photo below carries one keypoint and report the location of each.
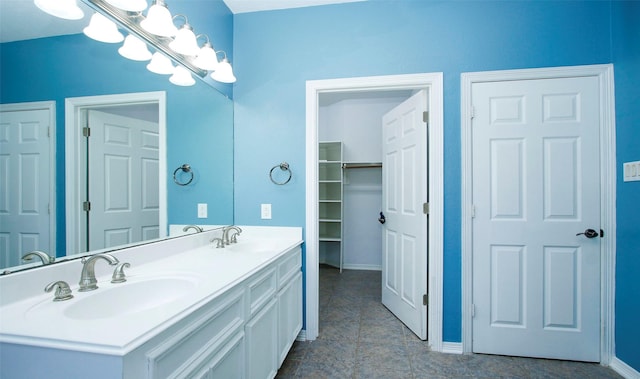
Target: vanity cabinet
(276, 309)
(244, 333)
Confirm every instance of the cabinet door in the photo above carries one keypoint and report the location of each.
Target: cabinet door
(289, 315)
(261, 343)
(229, 362)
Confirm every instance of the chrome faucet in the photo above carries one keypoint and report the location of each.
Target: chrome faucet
(63, 292)
(196, 227)
(88, 280)
(44, 257)
(227, 238)
(118, 274)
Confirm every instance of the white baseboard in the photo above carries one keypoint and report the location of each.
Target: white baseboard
(624, 369)
(452, 347)
(355, 266)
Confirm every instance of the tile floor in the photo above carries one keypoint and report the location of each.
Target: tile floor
(360, 338)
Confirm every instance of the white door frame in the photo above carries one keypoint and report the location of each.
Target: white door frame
(432, 82)
(604, 73)
(74, 182)
(50, 106)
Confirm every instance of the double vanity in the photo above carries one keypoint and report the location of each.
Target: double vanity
(186, 308)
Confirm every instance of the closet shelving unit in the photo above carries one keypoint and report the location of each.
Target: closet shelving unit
(330, 202)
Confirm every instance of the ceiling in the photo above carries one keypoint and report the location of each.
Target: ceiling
(15, 13)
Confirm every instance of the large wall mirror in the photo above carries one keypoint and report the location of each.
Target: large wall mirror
(79, 79)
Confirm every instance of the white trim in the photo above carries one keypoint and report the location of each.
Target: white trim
(49, 106)
(607, 193)
(433, 82)
(452, 347)
(623, 369)
(74, 108)
(356, 266)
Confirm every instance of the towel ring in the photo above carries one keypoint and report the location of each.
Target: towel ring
(185, 168)
(284, 166)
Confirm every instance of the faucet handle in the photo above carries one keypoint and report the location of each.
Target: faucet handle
(63, 292)
(118, 274)
(220, 242)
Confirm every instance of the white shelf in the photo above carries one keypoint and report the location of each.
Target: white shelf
(330, 195)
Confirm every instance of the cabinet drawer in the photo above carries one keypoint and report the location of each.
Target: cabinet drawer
(261, 290)
(184, 349)
(289, 265)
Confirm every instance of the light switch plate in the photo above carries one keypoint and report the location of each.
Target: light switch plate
(631, 171)
(265, 211)
(202, 210)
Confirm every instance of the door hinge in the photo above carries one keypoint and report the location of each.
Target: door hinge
(473, 211)
(473, 310)
(473, 112)
(86, 131)
(425, 117)
(425, 208)
(48, 132)
(86, 206)
(425, 299)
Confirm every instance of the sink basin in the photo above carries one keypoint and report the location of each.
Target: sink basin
(114, 300)
(129, 297)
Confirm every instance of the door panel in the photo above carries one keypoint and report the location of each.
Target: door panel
(25, 154)
(536, 183)
(404, 173)
(123, 187)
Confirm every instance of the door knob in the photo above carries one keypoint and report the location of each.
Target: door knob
(590, 233)
(382, 219)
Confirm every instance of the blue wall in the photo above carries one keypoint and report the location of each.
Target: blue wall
(626, 58)
(277, 51)
(199, 119)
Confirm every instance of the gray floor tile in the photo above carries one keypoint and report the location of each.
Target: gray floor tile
(360, 338)
(387, 357)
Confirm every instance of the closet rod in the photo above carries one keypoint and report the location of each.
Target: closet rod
(361, 165)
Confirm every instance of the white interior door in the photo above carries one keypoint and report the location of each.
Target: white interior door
(123, 180)
(25, 188)
(536, 184)
(404, 240)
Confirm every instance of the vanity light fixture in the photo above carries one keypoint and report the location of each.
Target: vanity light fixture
(159, 21)
(67, 9)
(102, 29)
(160, 64)
(157, 30)
(224, 72)
(182, 77)
(185, 41)
(135, 49)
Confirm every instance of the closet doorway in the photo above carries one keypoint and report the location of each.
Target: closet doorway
(350, 112)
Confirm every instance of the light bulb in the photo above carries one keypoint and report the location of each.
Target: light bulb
(102, 29)
(182, 77)
(67, 9)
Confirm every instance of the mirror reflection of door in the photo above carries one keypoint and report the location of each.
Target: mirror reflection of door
(122, 177)
(26, 177)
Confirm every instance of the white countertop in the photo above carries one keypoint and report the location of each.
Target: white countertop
(214, 270)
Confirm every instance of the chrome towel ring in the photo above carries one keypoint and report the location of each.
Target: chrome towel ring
(284, 166)
(185, 168)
